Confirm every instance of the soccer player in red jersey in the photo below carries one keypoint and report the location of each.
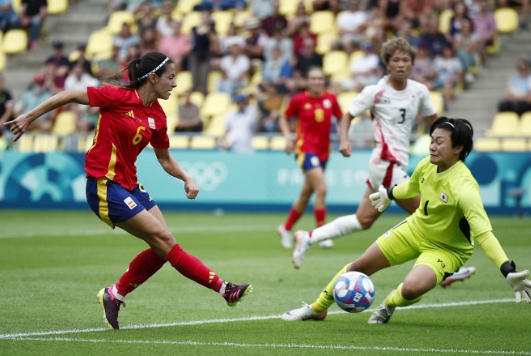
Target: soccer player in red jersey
(314, 109)
(131, 117)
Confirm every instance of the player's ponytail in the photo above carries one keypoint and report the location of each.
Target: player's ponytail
(140, 69)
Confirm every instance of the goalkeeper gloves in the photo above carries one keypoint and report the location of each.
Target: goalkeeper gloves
(382, 198)
(517, 280)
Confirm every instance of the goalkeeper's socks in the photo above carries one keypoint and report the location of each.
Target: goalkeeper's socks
(326, 298)
(396, 299)
(143, 266)
(191, 267)
(339, 227)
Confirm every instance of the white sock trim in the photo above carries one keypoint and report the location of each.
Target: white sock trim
(116, 295)
(223, 288)
(339, 227)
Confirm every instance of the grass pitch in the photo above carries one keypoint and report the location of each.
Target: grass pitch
(52, 264)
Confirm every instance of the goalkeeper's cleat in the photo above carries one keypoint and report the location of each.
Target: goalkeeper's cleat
(286, 240)
(235, 292)
(383, 313)
(461, 275)
(111, 308)
(302, 244)
(305, 312)
(326, 244)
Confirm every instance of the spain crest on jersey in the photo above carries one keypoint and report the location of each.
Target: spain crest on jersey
(151, 122)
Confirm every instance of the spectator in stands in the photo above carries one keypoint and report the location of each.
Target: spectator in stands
(82, 58)
(308, 60)
(235, 68)
(300, 36)
(78, 79)
(415, 10)
(256, 39)
(59, 63)
(449, 73)
(276, 73)
(518, 90)
(176, 46)
(392, 14)
(485, 28)
(423, 71)
(327, 5)
(6, 105)
(241, 125)
(205, 44)
(86, 117)
(189, 116)
(8, 17)
(351, 25)
(32, 16)
(261, 8)
(522, 6)
(32, 97)
(466, 44)
(406, 33)
(109, 67)
(164, 22)
(364, 70)
(210, 5)
(280, 41)
(456, 22)
(146, 18)
(275, 20)
(433, 38)
(125, 39)
(231, 37)
(149, 41)
(301, 18)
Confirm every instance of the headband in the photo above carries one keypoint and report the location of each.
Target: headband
(449, 123)
(154, 70)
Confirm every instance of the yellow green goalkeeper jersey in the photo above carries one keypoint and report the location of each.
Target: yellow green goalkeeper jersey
(451, 212)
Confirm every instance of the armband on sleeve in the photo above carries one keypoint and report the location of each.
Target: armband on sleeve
(390, 192)
(507, 267)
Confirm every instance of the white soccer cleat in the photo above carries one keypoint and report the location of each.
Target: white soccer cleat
(305, 312)
(461, 275)
(302, 244)
(286, 240)
(382, 314)
(326, 244)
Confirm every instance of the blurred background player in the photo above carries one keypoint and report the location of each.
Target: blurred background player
(440, 236)
(131, 117)
(313, 110)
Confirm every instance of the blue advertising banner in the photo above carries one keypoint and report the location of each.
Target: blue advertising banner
(262, 181)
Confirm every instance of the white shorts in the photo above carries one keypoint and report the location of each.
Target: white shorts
(387, 174)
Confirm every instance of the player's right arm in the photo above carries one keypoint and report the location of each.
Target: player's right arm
(21, 123)
(345, 147)
(291, 111)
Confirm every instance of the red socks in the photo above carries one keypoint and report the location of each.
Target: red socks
(191, 267)
(143, 266)
(320, 217)
(293, 216)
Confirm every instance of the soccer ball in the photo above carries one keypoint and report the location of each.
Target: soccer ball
(354, 292)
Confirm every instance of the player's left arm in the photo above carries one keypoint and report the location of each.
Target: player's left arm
(173, 168)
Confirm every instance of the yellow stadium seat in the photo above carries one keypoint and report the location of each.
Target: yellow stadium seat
(185, 6)
(179, 141)
(184, 82)
(2, 61)
(197, 98)
(278, 143)
(25, 143)
(100, 43)
(504, 124)
(322, 21)
(487, 144)
(15, 41)
(344, 99)
(288, 7)
(514, 144)
(191, 20)
(356, 55)
(222, 19)
(215, 103)
(212, 82)
(17, 5)
(495, 46)
(335, 62)
(117, 19)
(437, 100)
(216, 126)
(444, 20)
(45, 143)
(240, 17)
(308, 4)
(203, 143)
(65, 123)
(324, 42)
(506, 20)
(524, 129)
(56, 7)
(260, 142)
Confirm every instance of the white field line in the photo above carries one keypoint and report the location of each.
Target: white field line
(107, 231)
(213, 321)
(284, 346)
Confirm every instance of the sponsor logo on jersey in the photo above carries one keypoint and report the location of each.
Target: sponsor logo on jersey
(130, 114)
(327, 104)
(130, 203)
(444, 197)
(151, 122)
(384, 100)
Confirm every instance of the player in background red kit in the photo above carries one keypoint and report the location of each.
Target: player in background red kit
(131, 117)
(313, 109)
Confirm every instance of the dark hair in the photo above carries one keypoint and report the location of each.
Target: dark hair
(138, 68)
(389, 47)
(461, 133)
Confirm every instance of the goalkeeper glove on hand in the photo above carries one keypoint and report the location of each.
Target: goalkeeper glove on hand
(380, 200)
(521, 285)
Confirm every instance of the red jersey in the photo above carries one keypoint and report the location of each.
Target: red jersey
(125, 127)
(314, 120)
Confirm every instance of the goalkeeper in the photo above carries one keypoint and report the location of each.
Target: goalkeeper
(440, 234)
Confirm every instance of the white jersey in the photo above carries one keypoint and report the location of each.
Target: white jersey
(393, 113)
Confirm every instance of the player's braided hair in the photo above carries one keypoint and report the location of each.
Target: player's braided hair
(462, 133)
(139, 69)
(389, 47)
